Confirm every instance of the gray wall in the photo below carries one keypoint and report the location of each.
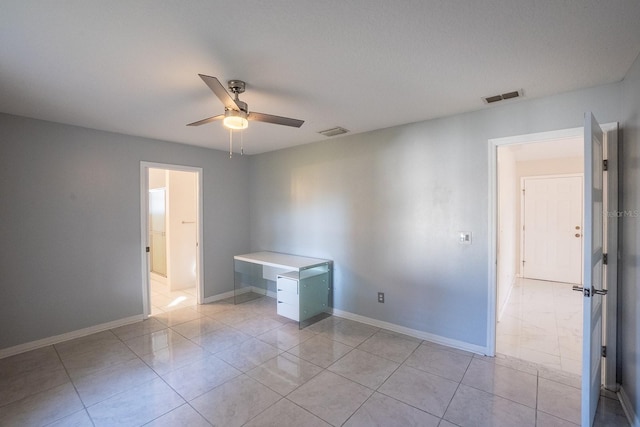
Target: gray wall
(386, 206)
(70, 224)
(629, 298)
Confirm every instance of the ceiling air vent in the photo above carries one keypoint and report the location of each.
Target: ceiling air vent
(334, 131)
(508, 95)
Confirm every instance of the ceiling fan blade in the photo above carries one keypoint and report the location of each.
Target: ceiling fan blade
(208, 120)
(276, 120)
(222, 94)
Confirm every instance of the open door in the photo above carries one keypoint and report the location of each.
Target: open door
(610, 274)
(593, 265)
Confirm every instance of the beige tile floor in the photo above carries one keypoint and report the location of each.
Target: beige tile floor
(163, 300)
(543, 324)
(232, 365)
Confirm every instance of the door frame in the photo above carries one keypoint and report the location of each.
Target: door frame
(144, 229)
(522, 216)
(611, 137)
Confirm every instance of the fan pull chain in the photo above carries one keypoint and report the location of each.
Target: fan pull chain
(230, 143)
(241, 143)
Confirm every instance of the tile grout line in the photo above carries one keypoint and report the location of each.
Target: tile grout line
(158, 376)
(506, 398)
(284, 397)
(140, 384)
(399, 366)
(456, 390)
(85, 408)
(374, 390)
(537, 397)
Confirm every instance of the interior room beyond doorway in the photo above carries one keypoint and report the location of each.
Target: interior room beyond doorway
(172, 239)
(539, 321)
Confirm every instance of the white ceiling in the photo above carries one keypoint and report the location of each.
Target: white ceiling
(548, 149)
(132, 66)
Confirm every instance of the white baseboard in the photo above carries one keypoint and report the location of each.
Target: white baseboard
(218, 297)
(230, 294)
(506, 301)
(627, 407)
(21, 348)
(411, 332)
(373, 322)
(158, 278)
(181, 287)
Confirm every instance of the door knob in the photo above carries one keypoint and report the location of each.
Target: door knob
(577, 234)
(577, 227)
(588, 292)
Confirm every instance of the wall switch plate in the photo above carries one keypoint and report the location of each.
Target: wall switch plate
(381, 297)
(464, 237)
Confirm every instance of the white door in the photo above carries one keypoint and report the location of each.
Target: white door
(593, 263)
(552, 235)
(610, 275)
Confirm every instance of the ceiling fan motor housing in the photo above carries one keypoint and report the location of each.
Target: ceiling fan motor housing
(236, 86)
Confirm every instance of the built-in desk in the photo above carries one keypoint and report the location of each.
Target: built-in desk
(301, 285)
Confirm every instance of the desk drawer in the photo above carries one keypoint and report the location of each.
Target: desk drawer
(288, 297)
(289, 311)
(287, 285)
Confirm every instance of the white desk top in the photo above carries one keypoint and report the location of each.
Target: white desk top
(275, 259)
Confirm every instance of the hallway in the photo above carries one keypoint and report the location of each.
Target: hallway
(542, 323)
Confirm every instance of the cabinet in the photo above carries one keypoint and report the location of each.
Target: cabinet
(288, 296)
(302, 295)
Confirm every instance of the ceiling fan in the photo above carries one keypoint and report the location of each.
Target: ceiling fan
(236, 113)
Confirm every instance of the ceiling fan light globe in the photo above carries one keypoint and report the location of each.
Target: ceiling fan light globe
(236, 120)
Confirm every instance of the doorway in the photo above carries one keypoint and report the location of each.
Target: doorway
(171, 215)
(600, 254)
(539, 257)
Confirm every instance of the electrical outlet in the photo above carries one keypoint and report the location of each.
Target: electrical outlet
(381, 297)
(464, 237)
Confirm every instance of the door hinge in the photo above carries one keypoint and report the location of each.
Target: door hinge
(605, 259)
(147, 249)
(605, 165)
(603, 351)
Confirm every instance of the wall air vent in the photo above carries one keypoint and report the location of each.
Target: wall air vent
(334, 131)
(508, 95)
